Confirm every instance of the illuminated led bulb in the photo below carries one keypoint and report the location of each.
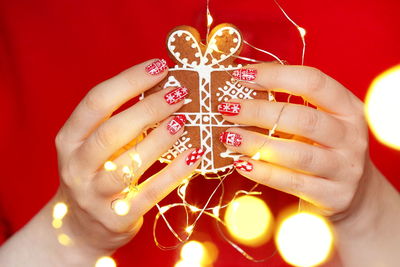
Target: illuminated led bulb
(194, 209)
(382, 107)
(136, 158)
(248, 219)
(189, 229)
(302, 31)
(215, 211)
(105, 262)
(57, 224)
(193, 252)
(64, 240)
(164, 209)
(110, 166)
(304, 240)
(121, 207)
(209, 19)
(59, 211)
(256, 156)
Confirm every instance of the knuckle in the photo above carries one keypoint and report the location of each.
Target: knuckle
(316, 79)
(296, 184)
(309, 122)
(150, 108)
(93, 101)
(103, 137)
(304, 159)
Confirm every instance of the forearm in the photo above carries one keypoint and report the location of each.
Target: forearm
(370, 236)
(37, 244)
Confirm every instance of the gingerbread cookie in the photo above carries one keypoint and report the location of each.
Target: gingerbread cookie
(206, 70)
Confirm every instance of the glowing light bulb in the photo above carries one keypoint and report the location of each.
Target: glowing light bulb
(382, 107)
(57, 224)
(136, 158)
(164, 209)
(194, 209)
(110, 166)
(59, 211)
(121, 207)
(215, 211)
(248, 220)
(64, 240)
(193, 252)
(256, 156)
(209, 18)
(304, 240)
(302, 31)
(105, 262)
(189, 229)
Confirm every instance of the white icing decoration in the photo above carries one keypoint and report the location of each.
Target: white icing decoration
(235, 40)
(187, 38)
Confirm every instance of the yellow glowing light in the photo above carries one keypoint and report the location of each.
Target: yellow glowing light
(57, 223)
(193, 252)
(256, 156)
(183, 263)
(194, 209)
(110, 166)
(382, 107)
(136, 158)
(105, 262)
(209, 19)
(304, 240)
(215, 211)
(248, 220)
(302, 31)
(121, 207)
(126, 170)
(189, 229)
(60, 210)
(64, 240)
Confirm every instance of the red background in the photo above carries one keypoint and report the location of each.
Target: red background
(53, 52)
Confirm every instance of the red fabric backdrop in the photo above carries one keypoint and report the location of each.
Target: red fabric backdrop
(53, 52)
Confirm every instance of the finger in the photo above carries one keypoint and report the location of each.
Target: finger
(126, 126)
(283, 152)
(161, 184)
(310, 83)
(140, 157)
(104, 98)
(310, 188)
(310, 123)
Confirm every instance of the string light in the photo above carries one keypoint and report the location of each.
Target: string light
(110, 166)
(304, 239)
(59, 211)
(64, 240)
(121, 207)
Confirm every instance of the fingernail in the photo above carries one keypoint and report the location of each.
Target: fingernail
(229, 108)
(156, 67)
(243, 165)
(232, 139)
(176, 95)
(245, 74)
(194, 156)
(176, 124)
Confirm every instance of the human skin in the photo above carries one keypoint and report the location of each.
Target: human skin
(91, 136)
(326, 163)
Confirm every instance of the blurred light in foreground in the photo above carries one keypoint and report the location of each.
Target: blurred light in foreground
(193, 251)
(110, 166)
(121, 207)
(57, 224)
(304, 240)
(105, 262)
(59, 211)
(183, 263)
(249, 220)
(64, 240)
(382, 107)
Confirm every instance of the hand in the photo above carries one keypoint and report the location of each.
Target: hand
(327, 159)
(92, 136)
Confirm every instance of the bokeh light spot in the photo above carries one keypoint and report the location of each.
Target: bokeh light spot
(105, 262)
(121, 207)
(382, 107)
(193, 252)
(59, 211)
(248, 220)
(304, 239)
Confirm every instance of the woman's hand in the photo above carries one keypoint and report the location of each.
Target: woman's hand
(326, 163)
(90, 137)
